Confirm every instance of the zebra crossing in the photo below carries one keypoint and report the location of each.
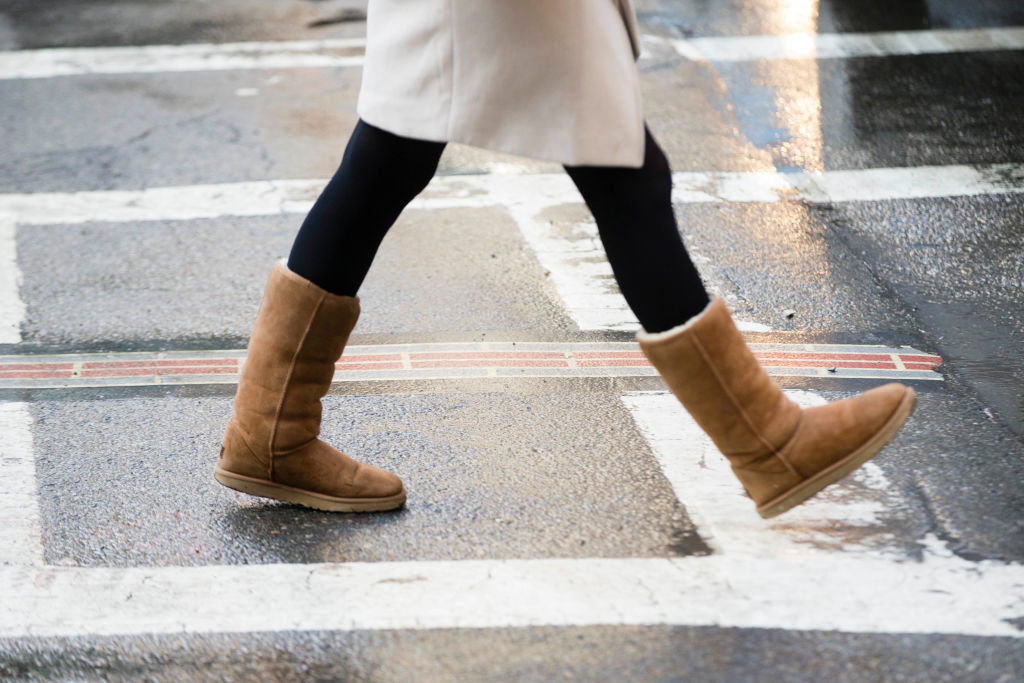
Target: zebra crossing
(866, 558)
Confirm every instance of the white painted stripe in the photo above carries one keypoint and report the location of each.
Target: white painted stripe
(577, 266)
(12, 309)
(258, 198)
(941, 594)
(575, 260)
(48, 63)
(725, 516)
(840, 45)
(176, 58)
(20, 538)
(921, 182)
(521, 193)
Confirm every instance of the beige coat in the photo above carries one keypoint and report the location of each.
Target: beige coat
(548, 79)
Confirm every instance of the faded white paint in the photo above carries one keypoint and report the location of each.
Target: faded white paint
(12, 309)
(840, 45)
(81, 61)
(189, 202)
(521, 193)
(578, 268)
(845, 516)
(20, 538)
(52, 62)
(940, 594)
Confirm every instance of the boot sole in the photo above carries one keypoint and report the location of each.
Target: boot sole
(317, 501)
(840, 469)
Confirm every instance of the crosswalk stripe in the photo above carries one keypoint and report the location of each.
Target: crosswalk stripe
(79, 61)
(275, 197)
(857, 590)
(20, 537)
(844, 45)
(340, 53)
(810, 588)
(12, 309)
(395, 362)
(937, 594)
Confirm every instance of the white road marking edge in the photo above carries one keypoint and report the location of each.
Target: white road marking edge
(198, 57)
(844, 45)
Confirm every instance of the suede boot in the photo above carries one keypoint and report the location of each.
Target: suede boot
(270, 447)
(782, 454)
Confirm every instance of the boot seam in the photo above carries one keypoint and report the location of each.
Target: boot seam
(739, 408)
(246, 437)
(288, 380)
(292, 451)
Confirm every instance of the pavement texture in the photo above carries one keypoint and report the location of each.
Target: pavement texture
(495, 476)
(569, 472)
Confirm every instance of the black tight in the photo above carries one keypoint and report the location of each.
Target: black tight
(633, 210)
(381, 173)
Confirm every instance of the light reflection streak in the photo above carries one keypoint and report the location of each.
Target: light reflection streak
(798, 102)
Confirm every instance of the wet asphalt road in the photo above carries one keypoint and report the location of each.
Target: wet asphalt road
(501, 469)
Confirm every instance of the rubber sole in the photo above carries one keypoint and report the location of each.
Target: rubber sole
(843, 467)
(318, 501)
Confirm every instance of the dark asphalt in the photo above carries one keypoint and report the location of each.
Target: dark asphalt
(628, 653)
(494, 476)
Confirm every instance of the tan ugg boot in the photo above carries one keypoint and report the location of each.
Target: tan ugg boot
(270, 447)
(781, 453)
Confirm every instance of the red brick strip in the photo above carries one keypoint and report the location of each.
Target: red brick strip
(413, 360)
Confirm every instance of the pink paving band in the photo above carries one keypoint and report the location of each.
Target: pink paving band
(455, 360)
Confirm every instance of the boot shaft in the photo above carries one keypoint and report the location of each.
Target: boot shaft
(708, 366)
(299, 334)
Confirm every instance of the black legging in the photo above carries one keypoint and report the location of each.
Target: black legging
(381, 173)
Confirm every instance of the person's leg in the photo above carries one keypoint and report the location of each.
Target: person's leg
(270, 446)
(781, 454)
(379, 174)
(633, 210)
